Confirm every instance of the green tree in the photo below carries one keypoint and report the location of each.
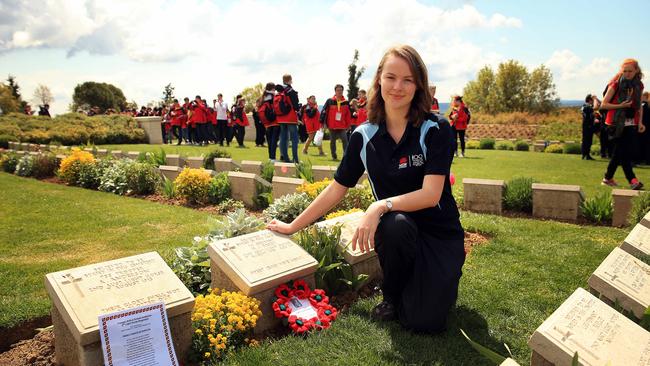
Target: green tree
(168, 94)
(541, 91)
(512, 86)
(102, 95)
(8, 102)
(354, 76)
(481, 94)
(252, 94)
(15, 91)
(512, 89)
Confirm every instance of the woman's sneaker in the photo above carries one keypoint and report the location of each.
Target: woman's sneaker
(609, 182)
(636, 185)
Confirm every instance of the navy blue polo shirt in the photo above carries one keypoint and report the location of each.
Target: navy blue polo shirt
(398, 168)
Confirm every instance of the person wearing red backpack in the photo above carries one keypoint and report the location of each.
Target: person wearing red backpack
(177, 121)
(269, 120)
(362, 111)
(624, 120)
(286, 106)
(311, 119)
(459, 118)
(337, 117)
(240, 121)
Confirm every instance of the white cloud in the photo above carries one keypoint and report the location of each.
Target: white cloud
(576, 78)
(203, 48)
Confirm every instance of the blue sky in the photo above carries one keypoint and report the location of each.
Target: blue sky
(206, 47)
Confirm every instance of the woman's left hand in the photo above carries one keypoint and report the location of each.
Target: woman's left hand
(641, 128)
(364, 235)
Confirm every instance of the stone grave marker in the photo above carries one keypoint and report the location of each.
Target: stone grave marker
(645, 221)
(622, 204)
(621, 278)
(557, 201)
(174, 160)
(323, 171)
(43, 147)
(256, 264)
(194, 162)
(80, 295)
(249, 166)
(637, 241)
(483, 195)
(227, 165)
(24, 146)
(101, 153)
(245, 186)
(597, 332)
(117, 154)
(170, 172)
(362, 263)
(133, 155)
(284, 185)
(285, 169)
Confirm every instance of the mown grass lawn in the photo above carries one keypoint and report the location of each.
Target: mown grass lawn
(487, 164)
(48, 227)
(510, 285)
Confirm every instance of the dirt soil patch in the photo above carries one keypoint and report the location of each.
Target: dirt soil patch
(38, 351)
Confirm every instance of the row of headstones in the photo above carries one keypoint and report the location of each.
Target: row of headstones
(254, 264)
(588, 321)
(554, 201)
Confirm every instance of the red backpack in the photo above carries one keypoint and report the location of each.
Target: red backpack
(266, 113)
(282, 104)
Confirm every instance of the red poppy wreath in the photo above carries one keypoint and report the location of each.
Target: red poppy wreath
(303, 309)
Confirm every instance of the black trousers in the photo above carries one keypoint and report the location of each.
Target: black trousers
(273, 137)
(239, 132)
(622, 154)
(459, 134)
(260, 131)
(421, 272)
(605, 145)
(587, 140)
(222, 126)
(178, 133)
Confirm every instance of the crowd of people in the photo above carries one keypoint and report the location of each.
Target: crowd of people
(620, 121)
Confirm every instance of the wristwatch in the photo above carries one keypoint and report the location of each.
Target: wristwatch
(389, 205)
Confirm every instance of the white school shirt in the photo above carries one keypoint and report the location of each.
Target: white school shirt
(221, 110)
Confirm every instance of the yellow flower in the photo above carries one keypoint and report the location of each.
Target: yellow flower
(199, 332)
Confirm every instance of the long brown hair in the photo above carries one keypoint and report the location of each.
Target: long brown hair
(421, 103)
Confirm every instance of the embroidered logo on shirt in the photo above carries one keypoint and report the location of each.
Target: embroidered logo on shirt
(417, 160)
(403, 163)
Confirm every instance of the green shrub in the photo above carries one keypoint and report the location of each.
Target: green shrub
(304, 171)
(572, 148)
(157, 158)
(268, 169)
(9, 163)
(192, 264)
(554, 149)
(360, 197)
(640, 207)
(505, 145)
(219, 189)
(522, 146)
(208, 161)
(25, 166)
(595, 150)
(486, 144)
(89, 174)
(45, 166)
(4, 140)
(287, 208)
(72, 129)
(114, 178)
(334, 274)
(518, 194)
(142, 178)
(598, 209)
(264, 195)
(472, 145)
(229, 205)
(234, 224)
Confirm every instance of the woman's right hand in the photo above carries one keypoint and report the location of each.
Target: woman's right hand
(281, 227)
(626, 104)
